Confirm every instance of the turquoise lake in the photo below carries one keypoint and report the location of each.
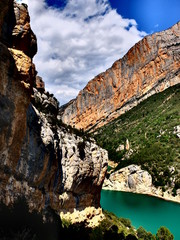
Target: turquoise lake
(146, 211)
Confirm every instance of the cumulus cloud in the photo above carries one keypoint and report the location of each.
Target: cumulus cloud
(77, 42)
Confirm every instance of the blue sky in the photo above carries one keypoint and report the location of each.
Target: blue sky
(150, 15)
(78, 39)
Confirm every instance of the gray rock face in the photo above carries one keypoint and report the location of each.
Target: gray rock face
(64, 170)
(131, 182)
(130, 179)
(134, 179)
(43, 160)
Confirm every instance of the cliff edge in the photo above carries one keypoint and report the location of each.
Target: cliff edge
(48, 163)
(151, 66)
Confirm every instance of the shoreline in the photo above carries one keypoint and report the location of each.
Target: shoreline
(133, 179)
(168, 198)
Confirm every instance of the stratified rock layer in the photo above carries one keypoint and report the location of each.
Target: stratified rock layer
(17, 75)
(41, 159)
(151, 66)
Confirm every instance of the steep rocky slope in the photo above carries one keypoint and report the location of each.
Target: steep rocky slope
(151, 66)
(145, 144)
(17, 74)
(41, 159)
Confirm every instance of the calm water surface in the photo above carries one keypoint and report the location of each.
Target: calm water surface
(142, 210)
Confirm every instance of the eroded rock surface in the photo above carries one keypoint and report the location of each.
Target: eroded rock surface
(17, 75)
(131, 178)
(43, 160)
(151, 66)
(90, 216)
(15, 28)
(68, 169)
(134, 179)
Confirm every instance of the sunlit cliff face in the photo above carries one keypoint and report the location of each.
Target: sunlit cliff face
(151, 66)
(41, 160)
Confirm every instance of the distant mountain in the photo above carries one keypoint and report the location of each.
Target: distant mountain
(151, 66)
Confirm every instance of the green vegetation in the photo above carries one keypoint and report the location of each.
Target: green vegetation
(149, 127)
(113, 228)
(164, 234)
(143, 235)
(79, 132)
(120, 228)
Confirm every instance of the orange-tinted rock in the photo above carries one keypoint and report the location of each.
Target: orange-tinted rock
(23, 37)
(151, 66)
(40, 85)
(41, 159)
(17, 77)
(15, 30)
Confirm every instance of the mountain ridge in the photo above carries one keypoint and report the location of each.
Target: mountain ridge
(150, 66)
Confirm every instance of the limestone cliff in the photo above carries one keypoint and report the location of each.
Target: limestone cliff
(17, 74)
(133, 179)
(151, 66)
(56, 167)
(130, 179)
(42, 160)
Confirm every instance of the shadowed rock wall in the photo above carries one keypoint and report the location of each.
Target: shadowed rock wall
(40, 159)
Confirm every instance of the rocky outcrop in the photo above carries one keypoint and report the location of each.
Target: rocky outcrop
(56, 167)
(67, 169)
(134, 179)
(40, 85)
(177, 131)
(151, 66)
(130, 179)
(90, 216)
(17, 75)
(6, 7)
(15, 28)
(43, 160)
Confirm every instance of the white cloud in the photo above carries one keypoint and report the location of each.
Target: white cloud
(78, 42)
